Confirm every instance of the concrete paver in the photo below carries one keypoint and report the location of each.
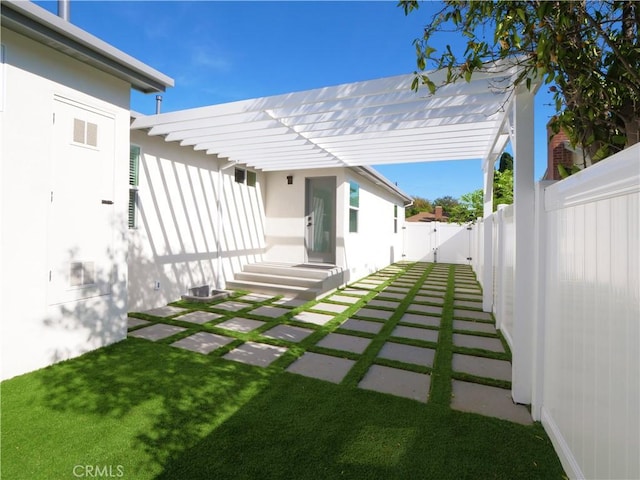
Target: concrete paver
(415, 333)
(199, 317)
(330, 307)
(271, 312)
(407, 353)
(231, 306)
(314, 318)
(417, 319)
(242, 325)
(489, 401)
(323, 367)
(135, 322)
(475, 341)
(373, 313)
(362, 325)
(203, 342)
(460, 313)
(289, 333)
(347, 343)
(157, 331)
(166, 311)
(481, 367)
(401, 383)
(253, 353)
(474, 326)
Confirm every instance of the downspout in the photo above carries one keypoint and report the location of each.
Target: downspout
(219, 224)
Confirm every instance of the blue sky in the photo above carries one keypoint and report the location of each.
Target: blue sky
(225, 51)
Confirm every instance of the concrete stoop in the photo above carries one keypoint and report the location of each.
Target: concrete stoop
(306, 281)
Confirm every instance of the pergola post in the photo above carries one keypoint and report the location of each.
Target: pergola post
(524, 275)
(487, 224)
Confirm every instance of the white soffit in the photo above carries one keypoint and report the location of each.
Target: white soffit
(365, 123)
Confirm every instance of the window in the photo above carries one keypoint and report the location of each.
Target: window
(240, 175)
(134, 165)
(354, 206)
(251, 178)
(395, 219)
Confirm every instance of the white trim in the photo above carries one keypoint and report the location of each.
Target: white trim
(568, 460)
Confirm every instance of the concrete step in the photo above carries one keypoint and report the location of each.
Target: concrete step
(291, 291)
(278, 279)
(317, 271)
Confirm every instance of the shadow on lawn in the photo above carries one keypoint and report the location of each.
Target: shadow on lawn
(308, 429)
(168, 397)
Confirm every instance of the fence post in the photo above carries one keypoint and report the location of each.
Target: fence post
(524, 218)
(487, 247)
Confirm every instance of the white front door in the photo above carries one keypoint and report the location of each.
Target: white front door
(81, 221)
(320, 219)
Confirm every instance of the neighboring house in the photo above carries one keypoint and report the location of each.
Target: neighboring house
(64, 113)
(436, 216)
(199, 220)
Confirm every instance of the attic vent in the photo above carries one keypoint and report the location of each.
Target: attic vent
(85, 133)
(82, 273)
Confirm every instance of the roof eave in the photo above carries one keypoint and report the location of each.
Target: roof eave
(38, 24)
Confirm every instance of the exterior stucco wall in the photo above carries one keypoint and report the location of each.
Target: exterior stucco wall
(374, 246)
(179, 223)
(37, 330)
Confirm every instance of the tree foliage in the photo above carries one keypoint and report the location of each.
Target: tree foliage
(468, 209)
(447, 203)
(588, 52)
(419, 205)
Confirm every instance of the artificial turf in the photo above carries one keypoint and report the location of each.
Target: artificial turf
(142, 410)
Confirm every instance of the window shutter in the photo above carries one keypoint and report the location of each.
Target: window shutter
(134, 160)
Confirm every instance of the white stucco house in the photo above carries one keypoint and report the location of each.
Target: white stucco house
(87, 236)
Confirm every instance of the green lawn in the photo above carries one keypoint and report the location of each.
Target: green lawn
(140, 410)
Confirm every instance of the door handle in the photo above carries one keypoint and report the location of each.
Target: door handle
(309, 224)
(107, 202)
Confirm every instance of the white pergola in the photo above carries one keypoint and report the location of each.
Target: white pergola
(384, 122)
(366, 123)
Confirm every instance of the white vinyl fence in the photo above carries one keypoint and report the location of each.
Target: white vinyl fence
(437, 242)
(585, 347)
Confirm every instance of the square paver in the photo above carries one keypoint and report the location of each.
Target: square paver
(417, 319)
(203, 342)
(312, 317)
(253, 353)
(472, 326)
(290, 302)
(355, 291)
(430, 309)
(199, 317)
(364, 286)
(243, 325)
(135, 322)
(255, 297)
(231, 306)
(372, 313)
(344, 299)
(468, 303)
(394, 295)
(384, 303)
(362, 325)
(330, 307)
(323, 367)
(401, 383)
(415, 333)
(166, 311)
(429, 299)
(459, 313)
(157, 331)
(271, 312)
(488, 401)
(475, 341)
(481, 367)
(407, 353)
(346, 343)
(289, 333)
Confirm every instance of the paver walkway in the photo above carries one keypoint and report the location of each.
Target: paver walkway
(395, 332)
